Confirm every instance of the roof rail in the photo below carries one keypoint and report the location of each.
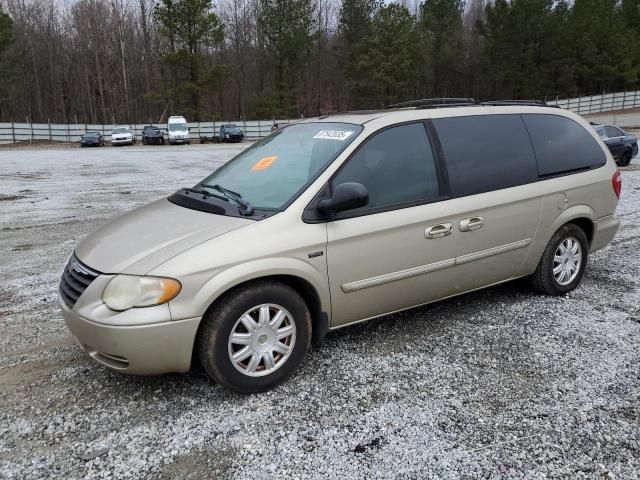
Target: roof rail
(529, 103)
(433, 103)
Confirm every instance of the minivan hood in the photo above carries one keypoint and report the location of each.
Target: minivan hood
(142, 239)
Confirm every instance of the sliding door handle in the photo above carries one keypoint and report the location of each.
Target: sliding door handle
(469, 224)
(438, 231)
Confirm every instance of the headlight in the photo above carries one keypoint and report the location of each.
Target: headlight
(127, 291)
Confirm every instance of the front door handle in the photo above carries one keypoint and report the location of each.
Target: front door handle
(438, 231)
(469, 224)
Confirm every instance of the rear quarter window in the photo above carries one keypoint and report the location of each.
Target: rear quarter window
(562, 145)
(486, 152)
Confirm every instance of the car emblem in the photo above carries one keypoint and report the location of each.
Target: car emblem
(75, 265)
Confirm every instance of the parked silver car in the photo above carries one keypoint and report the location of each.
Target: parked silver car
(336, 220)
(122, 135)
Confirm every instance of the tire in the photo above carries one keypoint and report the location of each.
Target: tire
(544, 279)
(214, 348)
(625, 159)
(145, 141)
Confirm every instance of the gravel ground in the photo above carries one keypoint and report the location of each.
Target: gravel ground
(500, 383)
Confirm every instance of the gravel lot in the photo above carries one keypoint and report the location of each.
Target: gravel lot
(500, 383)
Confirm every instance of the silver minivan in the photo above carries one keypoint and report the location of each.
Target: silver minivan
(335, 220)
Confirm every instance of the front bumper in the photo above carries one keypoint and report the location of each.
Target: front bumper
(128, 141)
(148, 349)
(179, 140)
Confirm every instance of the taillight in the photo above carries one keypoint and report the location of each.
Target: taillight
(616, 182)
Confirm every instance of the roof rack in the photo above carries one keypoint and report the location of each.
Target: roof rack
(530, 103)
(434, 103)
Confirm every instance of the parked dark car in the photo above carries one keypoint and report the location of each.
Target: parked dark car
(152, 135)
(92, 139)
(623, 146)
(231, 133)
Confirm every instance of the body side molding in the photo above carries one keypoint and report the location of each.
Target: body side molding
(432, 267)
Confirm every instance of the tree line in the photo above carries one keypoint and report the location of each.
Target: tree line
(103, 61)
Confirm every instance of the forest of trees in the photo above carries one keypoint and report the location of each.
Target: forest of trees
(103, 61)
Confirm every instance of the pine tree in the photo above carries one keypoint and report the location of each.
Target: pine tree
(442, 36)
(7, 63)
(355, 30)
(285, 28)
(190, 30)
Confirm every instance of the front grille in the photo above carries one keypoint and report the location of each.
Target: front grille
(75, 279)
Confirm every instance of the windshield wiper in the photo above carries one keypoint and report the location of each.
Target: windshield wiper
(204, 193)
(235, 196)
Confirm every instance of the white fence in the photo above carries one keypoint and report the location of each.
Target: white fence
(19, 132)
(607, 102)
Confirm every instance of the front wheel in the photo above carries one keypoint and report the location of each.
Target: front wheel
(255, 337)
(563, 262)
(625, 159)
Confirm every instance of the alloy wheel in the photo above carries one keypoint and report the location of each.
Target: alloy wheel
(567, 261)
(262, 340)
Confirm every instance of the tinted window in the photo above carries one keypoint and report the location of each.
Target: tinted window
(602, 133)
(396, 165)
(613, 132)
(562, 145)
(485, 153)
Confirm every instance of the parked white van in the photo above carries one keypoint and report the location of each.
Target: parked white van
(178, 130)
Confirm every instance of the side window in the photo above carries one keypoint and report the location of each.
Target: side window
(562, 145)
(601, 131)
(486, 152)
(613, 132)
(396, 165)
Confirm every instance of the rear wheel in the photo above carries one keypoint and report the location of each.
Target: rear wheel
(255, 337)
(563, 262)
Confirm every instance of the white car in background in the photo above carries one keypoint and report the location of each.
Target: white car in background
(178, 130)
(122, 135)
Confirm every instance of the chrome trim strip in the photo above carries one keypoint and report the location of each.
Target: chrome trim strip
(402, 274)
(432, 267)
(489, 252)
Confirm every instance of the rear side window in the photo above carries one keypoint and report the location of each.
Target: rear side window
(613, 132)
(562, 145)
(485, 153)
(397, 167)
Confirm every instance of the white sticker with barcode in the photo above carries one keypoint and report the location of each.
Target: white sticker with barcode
(341, 135)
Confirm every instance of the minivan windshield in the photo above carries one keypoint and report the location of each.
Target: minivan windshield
(122, 130)
(272, 172)
(177, 127)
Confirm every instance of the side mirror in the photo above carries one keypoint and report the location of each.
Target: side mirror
(346, 196)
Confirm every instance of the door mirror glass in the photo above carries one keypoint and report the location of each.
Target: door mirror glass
(346, 196)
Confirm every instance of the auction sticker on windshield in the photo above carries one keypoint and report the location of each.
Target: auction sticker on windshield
(341, 135)
(264, 163)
